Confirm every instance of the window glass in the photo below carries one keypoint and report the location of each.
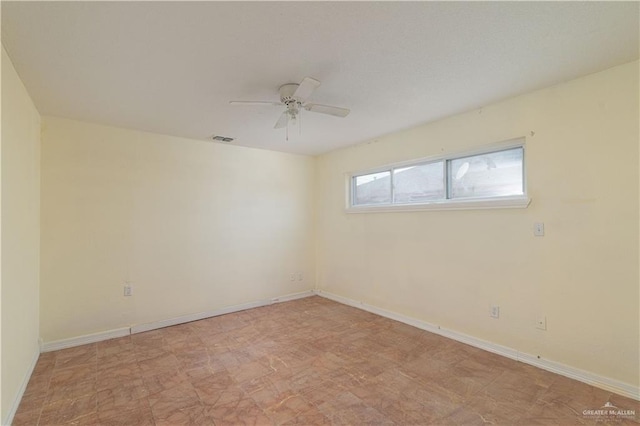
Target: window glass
(493, 174)
(374, 188)
(418, 184)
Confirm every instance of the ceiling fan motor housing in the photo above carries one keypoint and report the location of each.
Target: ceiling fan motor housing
(286, 97)
(286, 93)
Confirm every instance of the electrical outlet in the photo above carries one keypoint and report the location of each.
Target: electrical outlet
(128, 289)
(292, 276)
(300, 276)
(494, 312)
(541, 323)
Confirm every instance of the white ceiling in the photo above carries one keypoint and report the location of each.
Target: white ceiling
(173, 67)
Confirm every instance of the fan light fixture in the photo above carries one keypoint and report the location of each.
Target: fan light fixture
(293, 97)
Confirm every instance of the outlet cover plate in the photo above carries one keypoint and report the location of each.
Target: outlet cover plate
(541, 323)
(495, 311)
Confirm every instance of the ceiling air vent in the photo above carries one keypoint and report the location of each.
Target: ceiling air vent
(222, 139)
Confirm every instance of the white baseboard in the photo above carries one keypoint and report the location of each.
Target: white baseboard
(23, 386)
(602, 382)
(217, 312)
(139, 328)
(83, 340)
(593, 379)
(293, 296)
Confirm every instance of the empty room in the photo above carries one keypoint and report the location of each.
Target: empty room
(305, 213)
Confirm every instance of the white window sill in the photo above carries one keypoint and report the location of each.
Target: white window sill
(468, 204)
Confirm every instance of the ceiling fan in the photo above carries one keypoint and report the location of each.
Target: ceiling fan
(293, 97)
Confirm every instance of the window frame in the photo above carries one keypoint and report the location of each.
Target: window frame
(446, 203)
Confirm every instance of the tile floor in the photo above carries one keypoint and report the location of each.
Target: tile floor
(306, 362)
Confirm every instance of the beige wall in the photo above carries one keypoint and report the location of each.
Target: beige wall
(20, 234)
(194, 225)
(447, 267)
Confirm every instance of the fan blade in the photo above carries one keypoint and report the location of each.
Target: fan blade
(326, 109)
(256, 103)
(306, 88)
(282, 121)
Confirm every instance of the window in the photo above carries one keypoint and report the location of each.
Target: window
(374, 188)
(418, 184)
(494, 174)
(480, 179)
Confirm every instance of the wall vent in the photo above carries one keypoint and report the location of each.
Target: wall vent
(222, 138)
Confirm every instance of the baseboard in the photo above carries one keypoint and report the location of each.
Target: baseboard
(602, 382)
(139, 328)
(217, 312)
(83, 340)
(293, 296)
(23, 386)
(593, 379)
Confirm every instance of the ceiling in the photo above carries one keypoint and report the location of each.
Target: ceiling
(173, 67)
